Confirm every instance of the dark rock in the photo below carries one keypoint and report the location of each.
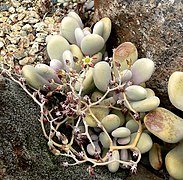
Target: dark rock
(156, 28)
(24, 153)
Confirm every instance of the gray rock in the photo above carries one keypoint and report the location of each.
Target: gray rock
(156, 28)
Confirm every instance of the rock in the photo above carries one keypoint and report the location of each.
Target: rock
(143, 174)
(174, 162)
(144, 23)
(165, 125)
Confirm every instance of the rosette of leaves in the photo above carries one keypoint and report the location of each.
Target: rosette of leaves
(72, 49)
(75, 42)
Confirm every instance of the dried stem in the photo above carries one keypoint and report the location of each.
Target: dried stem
(82, 107)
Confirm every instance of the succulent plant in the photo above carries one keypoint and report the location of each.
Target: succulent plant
(105, 100)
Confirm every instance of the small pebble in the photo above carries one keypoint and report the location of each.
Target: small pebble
(1, 44)
(11, 9)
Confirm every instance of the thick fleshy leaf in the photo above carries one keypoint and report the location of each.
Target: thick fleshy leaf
(68, 60)
(132, 125)
(165, 125)
(34, 79)
(142, 70)
(79, 35)
(85, 79)
(145, 142)
(92, 44)
(91, 150)
(114, 166)
(111, 122)
(145, 105)
(102, 75)
(56, 46)
(155, 156)
(76, 17)
(123, 56)
(175, 89)
(77, 55)
(104, 140)
(121, 132)
(174, 162)
(47, 73)
(56, 65)
(98, 28)
(135, 93)
(67, 28)
(107, 28)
